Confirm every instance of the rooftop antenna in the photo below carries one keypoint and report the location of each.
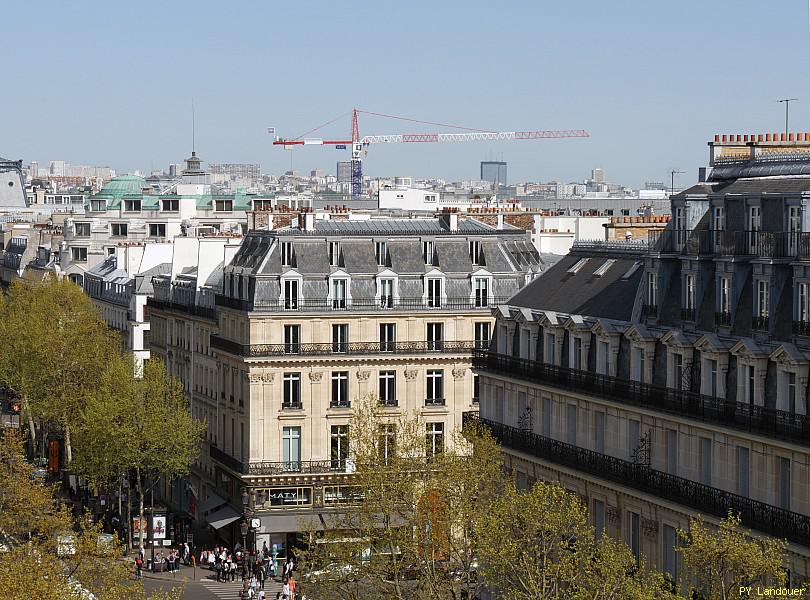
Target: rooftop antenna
(672, 181)
(786, 102)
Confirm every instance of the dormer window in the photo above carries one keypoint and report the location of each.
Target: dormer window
(170, 204)
(427, 252)
(223, 205)
(652, 289)
(381, 253)
(434, 293)
(761, 300)
(724, 296)
(803, 304)
(287, 257)
(290, 294)
(334, 254)
(339, 287)
(481, 287)
(475, 252)
(386, 288)
(98, 205)
(132, 205)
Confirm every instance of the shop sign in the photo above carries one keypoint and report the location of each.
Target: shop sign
(158, 527)
(292, 496)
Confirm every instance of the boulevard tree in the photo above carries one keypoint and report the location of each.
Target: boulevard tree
(45, 554)
(56, 346)
(725, 558)
(408, 533)
(537, 545)
(136, 425)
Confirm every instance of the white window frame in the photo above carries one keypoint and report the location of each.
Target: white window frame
(292, 304)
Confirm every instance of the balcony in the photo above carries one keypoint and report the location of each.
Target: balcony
(292, 406)
(723, 318)
(716, 242)
(340, 404)
(316, 305)
(725, 413)
(276, 468)
(434, 402)
(759, 323)
(801, 328)
(208, 312)
(688, 314)
(766, 518)
(351, 348)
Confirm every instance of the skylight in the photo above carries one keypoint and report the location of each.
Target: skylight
(604, 268)
(579, 264)
(634, 267)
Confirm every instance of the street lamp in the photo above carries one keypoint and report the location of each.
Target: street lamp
(247, 510)
(244, 528)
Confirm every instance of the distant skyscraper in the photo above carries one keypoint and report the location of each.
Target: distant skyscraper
(598, 175)
(173, 170)
(236, 170)
(57, 168)
(344, 172)
(34, 169)
(494, 171)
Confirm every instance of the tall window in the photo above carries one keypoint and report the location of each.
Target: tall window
(386, 293)
(598, 518)
(750, 383)
(603, 364)
(340, 337)
(638, 365)
(290, 294)
(576, 354)
(670, 543)
(339, 293)
(743, 470)
(634, 535)
(599, 432)
(435, 336)
(547, 417)
(672, 451)
(724, 297)
(705, 461)
(340, 389)
(427, 252)
(689, 292)
(291, 448)
(633, 439)
(754, 225)
(476, 389)
(434, 442)
(803, 307)
(711, 372)
(388, 337)
(387, 442)
(794, 226)
(549, 352)
(434, 293)
(677, 372)
(381, 253)
(475, 252)
(286, 254)
(292, 390)
(338, 446)
(571, 423)
(482, 333)
(334, 254)
(719, 225)
(292, 339)
(790, 392)
(481, 292)
(784, 482)
(388, 388)
(435, 387)
(762, 298)
(652, 289)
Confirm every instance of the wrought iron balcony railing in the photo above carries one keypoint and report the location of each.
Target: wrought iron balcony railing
(362, 304)
(726, 413)
(759, 323)
(722, 318)
(265, 350)
(688, 314)
(801, 328)
(291, 467)
(209, 312)
(764, 517)
(717, 242)
(434, 401)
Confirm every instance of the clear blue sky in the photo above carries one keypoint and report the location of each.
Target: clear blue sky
(111, 82)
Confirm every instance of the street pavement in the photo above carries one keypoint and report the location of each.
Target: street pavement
(205, 587)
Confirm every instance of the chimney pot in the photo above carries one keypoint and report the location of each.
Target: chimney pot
(759, 137)
(724, 137)
(767, 137)
(739, 137)
(745, 137)
(716, 138)
(790, 137)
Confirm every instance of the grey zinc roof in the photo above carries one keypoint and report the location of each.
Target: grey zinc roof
(252, 251)
(458, 288)
(406, 256)
(311, 257)
(315, 289)
(410, 288)
(363, 288)
(769, 186)
(383, 227)
(609, 296)
(216, 278)
(143, 281)
(494, 259)
(505, 288)
(358, 256)
(453, 256)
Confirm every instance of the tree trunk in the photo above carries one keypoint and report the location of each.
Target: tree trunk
(31, 427)
(68, 448)
(140, 507)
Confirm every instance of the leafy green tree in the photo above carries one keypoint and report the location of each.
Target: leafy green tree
(138, 425)
(46, 554)
(56, 346)
(724, 558)
(410, 535)
(538, 545)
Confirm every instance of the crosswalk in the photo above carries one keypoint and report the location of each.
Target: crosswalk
(230, 590)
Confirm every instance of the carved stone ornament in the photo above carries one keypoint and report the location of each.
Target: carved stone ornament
(411, 374)
(363, 375)
(649, 527)
(315, 376)
(261, 377)
(459, 373)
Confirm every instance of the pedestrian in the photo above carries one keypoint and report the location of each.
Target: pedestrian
(186, 553)
(233, 570)
(285, 590)
(212, 559)
(291, 583)
(260, 573)
(139, 567)
(265, 551)
(271, 565)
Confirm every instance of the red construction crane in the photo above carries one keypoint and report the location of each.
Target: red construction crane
(360, 144)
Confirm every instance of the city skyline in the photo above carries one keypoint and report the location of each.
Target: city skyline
(645, 119)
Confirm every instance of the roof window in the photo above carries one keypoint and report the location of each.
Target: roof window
(578, 265)
(604, 268)
(634, 267)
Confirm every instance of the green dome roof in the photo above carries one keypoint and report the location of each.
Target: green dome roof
(123, 185)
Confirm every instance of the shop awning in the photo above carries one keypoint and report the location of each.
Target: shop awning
(219, 518)
(213, 501)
